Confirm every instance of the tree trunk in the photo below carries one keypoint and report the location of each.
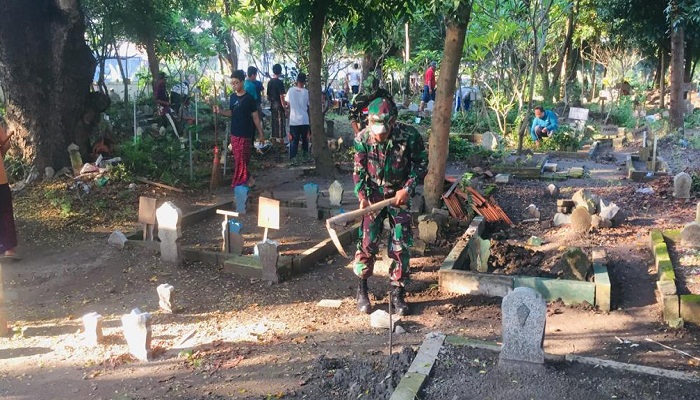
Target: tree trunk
(46, 72)
(153, 63)
(677, 108)
(438, 145)
(566, 53)
(230, 41)
(322, 156)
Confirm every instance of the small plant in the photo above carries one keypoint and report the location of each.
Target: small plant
(60, 200)
(462, 149)
(564, 139)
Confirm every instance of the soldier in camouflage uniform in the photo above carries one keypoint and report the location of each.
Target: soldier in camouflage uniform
(390, 159)
(370, 91)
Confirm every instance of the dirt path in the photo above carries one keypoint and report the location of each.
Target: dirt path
(235, 337)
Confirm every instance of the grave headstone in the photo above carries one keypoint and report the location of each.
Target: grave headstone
(524, 312)
(479, 251)
(580, 220)
(240, 194)
(561, 219)
(92, 328)
(681, 185)
(137, 331)
(531, 212)
(235, 239)
(147, 216)
(609, 130)
(502, 178)
(268, 260)
(553, 190)
(428, 229)
(586, 199)
(574, 264)
(76, 161)
(489, 141)
(578, 113)
(117, 239)
(166, 294)
(169, 218)
(335, 193)
(690, 235)
(311, 193)
(49, 172)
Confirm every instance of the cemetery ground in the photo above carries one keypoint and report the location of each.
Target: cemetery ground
(240, 337)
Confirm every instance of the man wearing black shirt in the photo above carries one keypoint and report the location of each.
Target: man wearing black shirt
(275, 94)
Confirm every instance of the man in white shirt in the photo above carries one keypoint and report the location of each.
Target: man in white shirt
(354, 79)
(298, 100)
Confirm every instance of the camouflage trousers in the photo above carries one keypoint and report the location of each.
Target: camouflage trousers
(398, 244)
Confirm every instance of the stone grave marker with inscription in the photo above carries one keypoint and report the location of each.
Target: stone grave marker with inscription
(524, 312)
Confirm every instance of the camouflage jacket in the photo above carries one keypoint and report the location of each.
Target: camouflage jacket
(362, 100)
(381, 169)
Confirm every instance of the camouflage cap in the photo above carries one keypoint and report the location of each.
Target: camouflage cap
(379, 114)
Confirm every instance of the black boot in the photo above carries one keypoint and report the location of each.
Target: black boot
(363, 304)
(398, 302)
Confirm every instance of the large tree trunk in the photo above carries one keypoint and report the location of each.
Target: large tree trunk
(46, 69)
(438, 145)
(324, 162)
(230, 41)
(153, 63)
(677, 109)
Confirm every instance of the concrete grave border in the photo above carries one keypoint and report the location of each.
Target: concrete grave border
(641, 176)
(249, 265)
(453, 279)
(676, 308)
(418, 373)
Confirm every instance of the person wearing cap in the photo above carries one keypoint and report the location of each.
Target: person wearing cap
(244, 122)
(298, 99)
(360, 102)
(428, 86)
(390, 159)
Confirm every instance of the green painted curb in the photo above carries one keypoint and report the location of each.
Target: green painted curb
(571, 292)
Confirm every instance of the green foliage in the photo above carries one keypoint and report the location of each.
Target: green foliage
(462, 149)
(60, 199)
(622, 114)
(16, 168)
(695, 185)
(564, 139)
(158, 158)
(692, 121)
(469, 122)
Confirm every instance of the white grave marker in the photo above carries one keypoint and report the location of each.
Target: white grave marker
(268, 214)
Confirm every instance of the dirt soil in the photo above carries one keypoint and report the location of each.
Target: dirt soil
(476, 371)
(237, 337)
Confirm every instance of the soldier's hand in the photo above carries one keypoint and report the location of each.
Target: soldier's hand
(364, 203)
(401, 197)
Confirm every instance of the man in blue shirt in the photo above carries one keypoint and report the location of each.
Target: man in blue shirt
(544, 124)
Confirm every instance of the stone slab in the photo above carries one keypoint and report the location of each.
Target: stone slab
(690, 308)
(667, 288)
(420, 368)
(571, 292)
(457, 256)
(603, 287)
(671, 307)
(466, 282)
